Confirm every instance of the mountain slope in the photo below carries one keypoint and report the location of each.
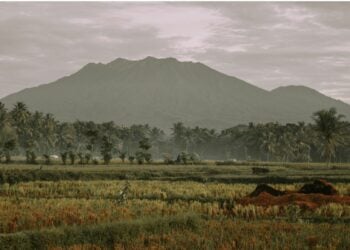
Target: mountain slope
(163, 91)
(303, 101)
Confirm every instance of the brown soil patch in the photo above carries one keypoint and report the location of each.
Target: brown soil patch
(319, 187)
(310, 196)
(263, 188)
(307, 201)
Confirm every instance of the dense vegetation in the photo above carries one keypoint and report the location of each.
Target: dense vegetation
(37, 134)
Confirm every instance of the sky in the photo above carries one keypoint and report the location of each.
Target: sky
(268, 44)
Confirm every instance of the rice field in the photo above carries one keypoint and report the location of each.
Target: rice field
(160, 213)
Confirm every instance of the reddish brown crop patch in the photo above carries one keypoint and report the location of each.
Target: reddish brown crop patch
(307, 201)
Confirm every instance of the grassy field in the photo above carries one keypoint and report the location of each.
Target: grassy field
(287, 173)
(165, 207)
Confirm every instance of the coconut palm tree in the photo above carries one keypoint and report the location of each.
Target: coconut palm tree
(329, 127)
(20, 117)
(8, 139)
(3, 115)
(49, 135)
(268, 140)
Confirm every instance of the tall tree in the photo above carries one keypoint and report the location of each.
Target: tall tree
(49, 135)
(20, 117)
(107, 149)
(329, 127)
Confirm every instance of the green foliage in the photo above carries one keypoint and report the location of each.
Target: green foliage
(328, 139)
(9, 146)
(106, 149)
(81, 158)
(122, 156)
(330, 129)
(144, 144)
(31, 157)
(72, 156)
(87, 158)
(143, 155)
(131, 158)
(188, 158)
(64, 156)
(140, 157)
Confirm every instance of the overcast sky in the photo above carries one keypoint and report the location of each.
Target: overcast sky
(266, 44)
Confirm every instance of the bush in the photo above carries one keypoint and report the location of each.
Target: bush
(72, 157)
(194, 158)
(168, 158)
(30, 157)
(131, 158)
(64, 156)
(140, 157)
(87, 157)
(188, 158)
(81, 158)
(122, 156)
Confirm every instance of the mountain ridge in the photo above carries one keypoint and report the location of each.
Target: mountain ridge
(163, 91)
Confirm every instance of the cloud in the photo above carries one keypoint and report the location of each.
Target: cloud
(268, 44)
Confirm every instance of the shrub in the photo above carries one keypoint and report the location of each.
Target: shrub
(140, 157)
(81, 158)
(168, 159)
(87, 157)
(64, 156)
(72, 157)
(131, 158)
(106, 149)
(30, 157)
(194, 158)
(122, 156)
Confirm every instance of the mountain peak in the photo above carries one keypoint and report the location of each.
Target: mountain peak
(162, 91)
(118, 60)
(91, 66)
(149, 58)
(294, 88)
(155, 59)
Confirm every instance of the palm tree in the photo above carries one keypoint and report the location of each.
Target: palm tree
(48, 130)
(179, 135)
(329, 127)
(20, 113)
(8, 139)
(106, 149)
(20, 117)
(3, 115)
(268, 140)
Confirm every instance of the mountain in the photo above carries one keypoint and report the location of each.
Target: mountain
(303, 100)
(163, 91)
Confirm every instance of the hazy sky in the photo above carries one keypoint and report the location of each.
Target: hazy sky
(267, 44)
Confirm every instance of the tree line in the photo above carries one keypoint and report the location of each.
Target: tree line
(35, 134)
